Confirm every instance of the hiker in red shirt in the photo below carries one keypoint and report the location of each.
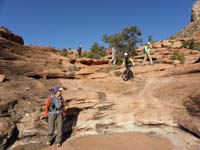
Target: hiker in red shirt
(54, 113)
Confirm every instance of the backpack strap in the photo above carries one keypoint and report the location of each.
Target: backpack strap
(52, 107)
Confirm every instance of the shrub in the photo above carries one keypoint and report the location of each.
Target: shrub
(96, 52)
(191, 44)
(177, 55)
(63, 53)
(197, 46)
(119, 57)
(188, 44)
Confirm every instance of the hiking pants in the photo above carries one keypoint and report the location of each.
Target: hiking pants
(79, 53)
(55, 119)
(147, 56)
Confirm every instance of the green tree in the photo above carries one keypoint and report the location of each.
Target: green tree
(96, 51)
(126, 40)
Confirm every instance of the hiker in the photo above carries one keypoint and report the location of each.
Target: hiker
(113, 59)
(54, 113)
(127, 62)
(79, 51)
(110, 51)
(147, 51)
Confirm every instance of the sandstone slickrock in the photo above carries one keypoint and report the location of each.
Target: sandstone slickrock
(7, 129)
(10, 36)
(191, 30)
(97, 100)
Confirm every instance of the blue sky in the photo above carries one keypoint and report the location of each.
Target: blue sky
(69, 23)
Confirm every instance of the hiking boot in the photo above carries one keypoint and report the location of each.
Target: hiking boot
(48, 143)
(58, 144)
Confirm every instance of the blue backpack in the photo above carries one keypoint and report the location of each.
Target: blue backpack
(56, 104)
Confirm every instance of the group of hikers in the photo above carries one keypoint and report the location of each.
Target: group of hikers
(128, 61)
(147, 54)
(112, 52)
(55, 107)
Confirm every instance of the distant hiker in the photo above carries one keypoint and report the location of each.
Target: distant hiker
(79, 51)
(110, 51)
(113, 59)
(147, 52)
(54, 113)
(128, 63)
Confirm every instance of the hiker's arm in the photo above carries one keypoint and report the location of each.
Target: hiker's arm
(47, 104)
(123, 63)
(132, 61)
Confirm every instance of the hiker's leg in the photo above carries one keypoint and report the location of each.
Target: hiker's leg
(59, 121)
(114, 62)
(111, 61)
(128, 72)
(51, 127)
(131, 74)
(145, 58)
(150, 58)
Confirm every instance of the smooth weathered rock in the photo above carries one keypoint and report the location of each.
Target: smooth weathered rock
(7, 129)
(10, 36)
(194, 68)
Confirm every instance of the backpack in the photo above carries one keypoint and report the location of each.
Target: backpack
(128, 62)
(55, 105)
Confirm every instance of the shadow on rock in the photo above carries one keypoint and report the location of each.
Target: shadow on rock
(70, 121)
(11, 140)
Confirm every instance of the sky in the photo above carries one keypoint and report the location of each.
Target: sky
(70, 23)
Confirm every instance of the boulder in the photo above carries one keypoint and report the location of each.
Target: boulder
(31, 125)
(7, 131)
(192, 123)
